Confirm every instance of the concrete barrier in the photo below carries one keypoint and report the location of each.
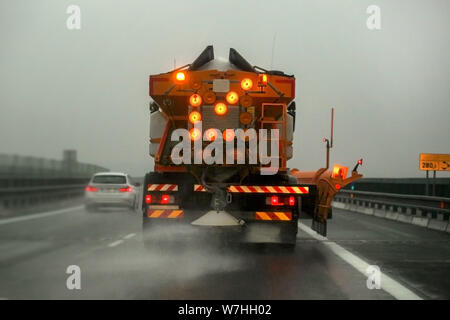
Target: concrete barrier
(423, 216)
(391, 215)
(438, 225)
(381, 213)
(338, 205)
(404, 218)
(420, 221)
(368, 211)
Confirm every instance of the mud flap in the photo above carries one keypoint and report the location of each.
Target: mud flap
(320, 227)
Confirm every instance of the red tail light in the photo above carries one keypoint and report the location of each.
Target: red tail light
(291, 201)
(165, 199)
(127, 189)
(91, 189)
(274, 201)
(148, 198)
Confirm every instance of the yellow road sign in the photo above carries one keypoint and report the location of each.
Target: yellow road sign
(434, 162)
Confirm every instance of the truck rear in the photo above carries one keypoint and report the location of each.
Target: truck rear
(221, 134)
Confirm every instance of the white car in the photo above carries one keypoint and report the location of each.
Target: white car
(111, 189)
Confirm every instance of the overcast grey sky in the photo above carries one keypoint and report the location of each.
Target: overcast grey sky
(88, 89)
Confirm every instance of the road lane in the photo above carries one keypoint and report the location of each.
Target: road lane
(417, 257)
(39, 215)
(34, 256)
(386, 283)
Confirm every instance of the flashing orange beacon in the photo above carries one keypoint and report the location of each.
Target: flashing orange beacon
(220, 108)
(195, 100)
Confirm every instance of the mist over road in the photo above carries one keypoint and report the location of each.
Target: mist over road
(35, 252)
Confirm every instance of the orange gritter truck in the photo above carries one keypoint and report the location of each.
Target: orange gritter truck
(221, 134)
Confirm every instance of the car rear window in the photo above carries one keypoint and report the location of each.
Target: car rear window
(109, 179)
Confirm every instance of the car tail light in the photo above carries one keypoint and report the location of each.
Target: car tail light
(291, 201)
(91, 189)
(220, 108)
(127, 189)
(232, 97)
(195, 100)
(195, 116)
(148, 198)
(165, 199)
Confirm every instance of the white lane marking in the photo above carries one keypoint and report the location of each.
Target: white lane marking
(395, 289)
(39, 215)
(115, 243)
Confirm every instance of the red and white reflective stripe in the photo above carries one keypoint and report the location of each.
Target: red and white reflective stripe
(268, 189)
(264, 215)
(162, 187)
(199, 188)
(168, 214)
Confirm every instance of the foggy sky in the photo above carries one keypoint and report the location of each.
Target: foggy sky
(88, 89)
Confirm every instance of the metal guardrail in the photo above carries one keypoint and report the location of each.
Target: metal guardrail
(35, 167)
(415, 205)
(27, 180)
(11, 198)
(407, 186)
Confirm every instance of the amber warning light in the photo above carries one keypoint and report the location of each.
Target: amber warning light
(246, 84)
(262, 79)
(220, 109)
(232, 97)
(339, 172)
(195, 100)
(180, 76)
(195, 116)
(195, 134)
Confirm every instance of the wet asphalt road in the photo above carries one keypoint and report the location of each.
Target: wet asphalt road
(107, 246)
